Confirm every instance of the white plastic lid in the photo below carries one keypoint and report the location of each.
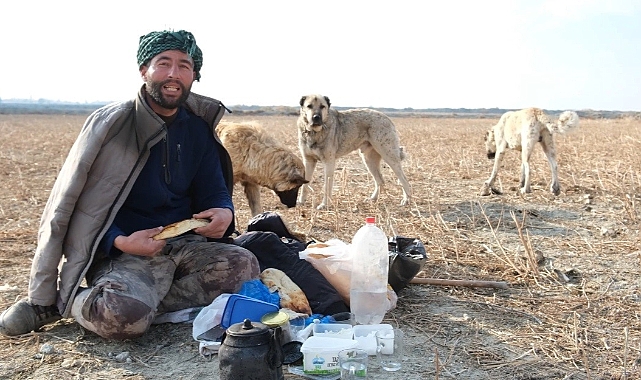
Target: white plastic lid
(315, 343)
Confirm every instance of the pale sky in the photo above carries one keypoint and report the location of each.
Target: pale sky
(556, 54)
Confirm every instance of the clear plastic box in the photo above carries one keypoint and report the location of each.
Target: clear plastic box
(333, 330)
(365, 336)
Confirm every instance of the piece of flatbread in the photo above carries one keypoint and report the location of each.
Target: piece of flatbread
(180, 228)
(291, 296)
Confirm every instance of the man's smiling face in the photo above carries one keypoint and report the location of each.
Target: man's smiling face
(168, 78)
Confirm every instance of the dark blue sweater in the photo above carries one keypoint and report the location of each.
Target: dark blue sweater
(182, 176)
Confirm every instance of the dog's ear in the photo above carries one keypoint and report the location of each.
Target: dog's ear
(328, 102)
(302, 100)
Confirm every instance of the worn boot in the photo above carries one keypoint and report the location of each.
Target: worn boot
(24, 317)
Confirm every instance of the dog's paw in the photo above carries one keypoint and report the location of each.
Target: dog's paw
(485, 191)
(321, 206)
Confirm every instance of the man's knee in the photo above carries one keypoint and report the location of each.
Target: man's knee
(112, 315)
(242, 265)
(246, 264)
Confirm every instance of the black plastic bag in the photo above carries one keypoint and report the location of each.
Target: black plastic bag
(276, 246)
(271, 221)
(407, 257)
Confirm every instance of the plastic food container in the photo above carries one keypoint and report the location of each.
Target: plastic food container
(365, 336)
(240, 307)
(320, 354)
(333, 330)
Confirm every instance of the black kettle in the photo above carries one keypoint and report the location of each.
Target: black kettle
(251, 351)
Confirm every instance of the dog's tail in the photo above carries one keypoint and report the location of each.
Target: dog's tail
(568, 121)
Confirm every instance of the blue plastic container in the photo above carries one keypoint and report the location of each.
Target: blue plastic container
(241, 307)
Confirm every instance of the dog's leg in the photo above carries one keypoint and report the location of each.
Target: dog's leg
(547, 143)
(330, 165)
(372, 161)
(310, 165)
(252, 192)
(487, 186)
(525, 173)
(394, 163)
(407, 190)
(526, 153)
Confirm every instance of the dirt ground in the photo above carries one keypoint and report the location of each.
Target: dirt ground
(572, 262)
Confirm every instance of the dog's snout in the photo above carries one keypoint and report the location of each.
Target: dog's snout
(288, 197)
(317, 119)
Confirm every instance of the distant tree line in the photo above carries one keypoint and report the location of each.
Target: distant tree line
(48, 108)
(44, 107)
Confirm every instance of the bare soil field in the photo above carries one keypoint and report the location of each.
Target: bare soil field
(572, 309)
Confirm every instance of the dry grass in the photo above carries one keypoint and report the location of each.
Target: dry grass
(573, 309)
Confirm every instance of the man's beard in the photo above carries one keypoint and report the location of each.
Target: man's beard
(154, 89)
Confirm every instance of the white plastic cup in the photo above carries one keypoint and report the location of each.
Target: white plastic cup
(296, 325)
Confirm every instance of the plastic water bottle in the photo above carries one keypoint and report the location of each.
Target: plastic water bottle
(370, 266)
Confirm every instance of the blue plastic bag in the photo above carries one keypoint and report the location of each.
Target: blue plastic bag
(256, 289)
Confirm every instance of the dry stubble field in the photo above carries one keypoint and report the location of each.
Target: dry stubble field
(572, 311)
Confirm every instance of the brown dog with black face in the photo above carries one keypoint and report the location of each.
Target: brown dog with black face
(259, 160)
(325, 134)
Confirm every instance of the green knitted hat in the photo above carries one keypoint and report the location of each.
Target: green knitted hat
(155, 43)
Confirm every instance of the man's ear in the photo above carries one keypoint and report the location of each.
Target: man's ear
(143, 71)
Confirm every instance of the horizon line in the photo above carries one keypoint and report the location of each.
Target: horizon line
(66, 102)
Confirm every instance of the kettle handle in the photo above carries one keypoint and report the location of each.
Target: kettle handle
(275, 355)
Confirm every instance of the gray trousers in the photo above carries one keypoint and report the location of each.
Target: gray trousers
(126, 293)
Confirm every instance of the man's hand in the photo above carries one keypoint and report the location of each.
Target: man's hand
(140, 243)
(220, 218)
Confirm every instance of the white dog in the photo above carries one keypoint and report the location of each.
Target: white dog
(521, 130)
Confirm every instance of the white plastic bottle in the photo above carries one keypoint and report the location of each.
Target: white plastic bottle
(370, 266)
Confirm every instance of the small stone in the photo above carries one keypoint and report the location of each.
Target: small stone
(47, 349)
(68, 363)
(607, 232)
(123, 356)
(540, 257)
